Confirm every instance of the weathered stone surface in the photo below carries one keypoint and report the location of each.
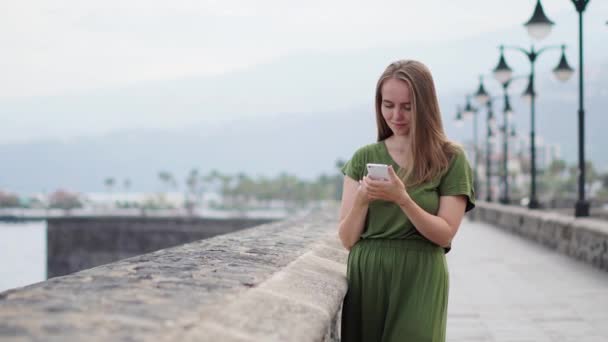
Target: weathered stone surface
(78, 243)
(244, 286)
(285, 282)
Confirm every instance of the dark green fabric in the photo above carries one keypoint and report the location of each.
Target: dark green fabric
(385, 220)
(397, 292)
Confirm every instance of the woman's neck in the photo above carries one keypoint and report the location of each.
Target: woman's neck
(398, 143)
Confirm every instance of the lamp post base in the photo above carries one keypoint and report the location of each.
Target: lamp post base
(504, 201)
(534, 204)
(581, 208)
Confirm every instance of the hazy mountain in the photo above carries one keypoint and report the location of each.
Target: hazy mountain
(306, 145)
(298, 114)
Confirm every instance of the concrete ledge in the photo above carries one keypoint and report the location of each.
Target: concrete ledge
(585, 239)
(78, 243)
(299, 303)
(283, 281)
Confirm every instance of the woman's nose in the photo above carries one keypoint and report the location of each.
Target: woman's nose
(398, 113)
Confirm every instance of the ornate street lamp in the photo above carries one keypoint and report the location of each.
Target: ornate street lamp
(459, 119)
(507, 113)
(483, 98)
(539, 26)
(470, 111)
(502, 73)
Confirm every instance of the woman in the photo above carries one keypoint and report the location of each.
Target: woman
(398, 231)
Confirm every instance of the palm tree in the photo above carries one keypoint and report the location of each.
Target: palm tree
(127, 184)
(109, 183)
(192, 195)
(167, 179)
(226, 180)
(339, 180)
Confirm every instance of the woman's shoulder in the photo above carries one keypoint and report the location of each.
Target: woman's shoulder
(457, 157)
(455, 152)
(368, 149)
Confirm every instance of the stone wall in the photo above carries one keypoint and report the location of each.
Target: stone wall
(585, 239)
(282, 281)
(78, 243)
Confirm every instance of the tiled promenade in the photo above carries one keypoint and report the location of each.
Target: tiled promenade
(505, 288)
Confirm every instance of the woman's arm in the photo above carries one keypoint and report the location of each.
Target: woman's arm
(352, 212)
(440, 228)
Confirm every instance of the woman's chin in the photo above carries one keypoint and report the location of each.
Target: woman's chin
(401, 132)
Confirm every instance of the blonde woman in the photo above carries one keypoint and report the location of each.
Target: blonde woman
(398, 231)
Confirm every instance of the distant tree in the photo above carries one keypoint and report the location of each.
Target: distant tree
(226, 181)
(9, 200)
(340, 163)
(109, 183)
(126, 184)
(339, 179)
(65, 200)
(604, 178)
(557, 167)
(33, 202)
(193, 192)
(167, 179)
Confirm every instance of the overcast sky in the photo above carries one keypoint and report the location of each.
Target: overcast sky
(59, 47)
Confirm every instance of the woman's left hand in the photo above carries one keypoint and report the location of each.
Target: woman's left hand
(392, 190)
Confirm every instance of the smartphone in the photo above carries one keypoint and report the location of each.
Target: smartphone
(377, 171)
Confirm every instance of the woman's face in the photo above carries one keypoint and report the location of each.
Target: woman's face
(396, 105)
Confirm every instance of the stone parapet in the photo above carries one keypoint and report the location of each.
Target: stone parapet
(281, 281)
(585, 239)
(78, 243)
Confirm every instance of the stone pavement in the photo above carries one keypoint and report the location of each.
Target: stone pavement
(505, 288)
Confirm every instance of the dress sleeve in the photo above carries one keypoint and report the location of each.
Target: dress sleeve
(355, 167)
(458, 180)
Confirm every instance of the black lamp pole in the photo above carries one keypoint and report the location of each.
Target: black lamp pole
(582, 206)
(503, 73)
(489, 151)
(504, 199)
(468, 111)
(539, 26)
(476, 148)
(483, 98)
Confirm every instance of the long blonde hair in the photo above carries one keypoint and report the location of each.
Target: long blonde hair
(430, 149)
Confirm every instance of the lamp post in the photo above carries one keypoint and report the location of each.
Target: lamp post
(503, 73)
(483, 98)
(467, 112)
(581, 207)
(507, 113)
(538, 24)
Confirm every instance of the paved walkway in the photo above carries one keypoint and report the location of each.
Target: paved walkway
(505, 288)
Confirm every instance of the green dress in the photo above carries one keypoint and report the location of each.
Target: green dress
(398, 280)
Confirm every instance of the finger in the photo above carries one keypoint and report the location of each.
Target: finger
(392, 174)
(373, 183)
(375, 193)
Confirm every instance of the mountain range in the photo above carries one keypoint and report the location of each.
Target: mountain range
(298, 114)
